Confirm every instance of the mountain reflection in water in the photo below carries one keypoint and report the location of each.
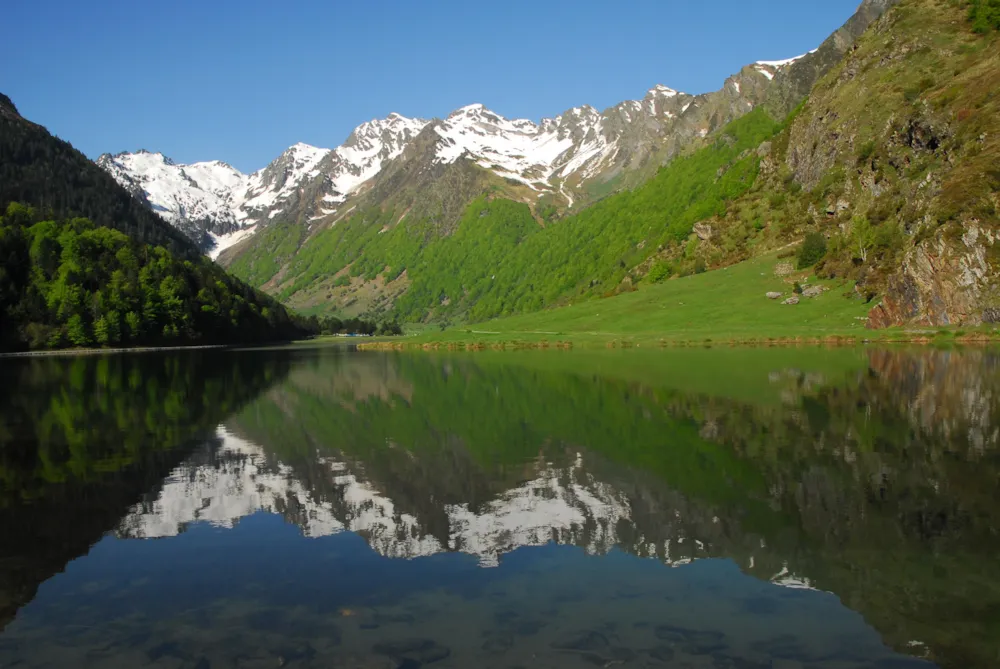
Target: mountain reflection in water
(503, 510)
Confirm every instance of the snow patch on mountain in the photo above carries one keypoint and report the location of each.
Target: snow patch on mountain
(783, 63)
(197, 193)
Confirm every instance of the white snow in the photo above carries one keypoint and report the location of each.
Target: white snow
(664, 91)
(782, 63)
(197, 192)
(216, 195)
(766, 72)
(223, 242)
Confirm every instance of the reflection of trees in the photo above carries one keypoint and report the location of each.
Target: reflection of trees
(81, 439)
(881, 486)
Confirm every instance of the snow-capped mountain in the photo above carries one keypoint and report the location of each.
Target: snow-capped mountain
(196, 198)
(570, 159)
(217, 205)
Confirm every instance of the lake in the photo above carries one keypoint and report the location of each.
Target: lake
(320, 507)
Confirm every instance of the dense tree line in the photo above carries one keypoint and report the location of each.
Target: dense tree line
(331, 325)
(40, 169)
(72, 283)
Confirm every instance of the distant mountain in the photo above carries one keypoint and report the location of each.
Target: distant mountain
(373, 225)
(48, 173)
(85, 263)
(216, 205)
(569, 159)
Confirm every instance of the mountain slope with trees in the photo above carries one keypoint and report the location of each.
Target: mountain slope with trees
(119, 277)
(72, 283)
(415, 242)
(48, 173)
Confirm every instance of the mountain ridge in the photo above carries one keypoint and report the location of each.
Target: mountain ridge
(554, 157)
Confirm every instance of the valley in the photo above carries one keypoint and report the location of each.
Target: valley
(466, 219)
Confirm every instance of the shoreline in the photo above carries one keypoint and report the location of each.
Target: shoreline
(923, 338)
(99, 351)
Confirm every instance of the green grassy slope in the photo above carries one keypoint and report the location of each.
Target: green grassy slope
(500, 260)
(723, 304)
(893, 159)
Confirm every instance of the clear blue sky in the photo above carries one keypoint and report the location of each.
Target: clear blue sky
(241, 81)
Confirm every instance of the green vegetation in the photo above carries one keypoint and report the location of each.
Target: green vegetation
(812, 250)
(717, 306)
(61, 182)
(71, 283)
(499, 260)
(985, 15)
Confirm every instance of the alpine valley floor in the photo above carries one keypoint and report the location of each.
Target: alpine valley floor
(728, 305)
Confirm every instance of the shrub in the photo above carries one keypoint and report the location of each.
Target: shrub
(660, 271)
(866, 151)
(812, 250)
(984, 15)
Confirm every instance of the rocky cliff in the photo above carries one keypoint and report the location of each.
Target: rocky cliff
(892, 158)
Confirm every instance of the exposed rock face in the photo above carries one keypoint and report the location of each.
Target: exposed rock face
(794, 83)
(942, 283)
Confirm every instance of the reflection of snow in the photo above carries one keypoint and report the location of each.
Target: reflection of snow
(538, 512)
(242, 482)
(563, 505)
(786, 579)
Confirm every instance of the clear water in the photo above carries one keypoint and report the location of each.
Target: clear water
(719, 508)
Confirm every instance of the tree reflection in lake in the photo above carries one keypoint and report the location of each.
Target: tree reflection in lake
(527, 505)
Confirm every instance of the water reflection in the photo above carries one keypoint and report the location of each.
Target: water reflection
(539, 497)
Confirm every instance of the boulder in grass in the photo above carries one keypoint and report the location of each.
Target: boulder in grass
(773, 296)
(814, 291)
(794, 299)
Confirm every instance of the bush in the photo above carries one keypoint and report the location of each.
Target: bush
(866, 151)
(660, 271)
(985, 15)
(812, 250)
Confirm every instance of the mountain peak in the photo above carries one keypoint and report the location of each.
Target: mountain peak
(783, 63)
(474, 109)
(7, 107)
(302, 147)
(665, 91)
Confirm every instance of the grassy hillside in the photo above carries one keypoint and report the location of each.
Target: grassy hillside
(501, 259)
(892, 160)
(720, 305)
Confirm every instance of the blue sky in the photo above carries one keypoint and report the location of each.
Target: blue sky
(241, 81)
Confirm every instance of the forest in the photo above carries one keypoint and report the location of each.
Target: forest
(51, 175)
(72, 283)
